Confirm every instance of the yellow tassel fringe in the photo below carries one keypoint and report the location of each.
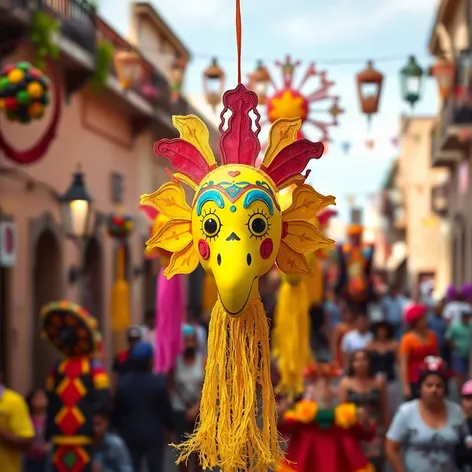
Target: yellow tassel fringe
(291, 337)
(237, 427)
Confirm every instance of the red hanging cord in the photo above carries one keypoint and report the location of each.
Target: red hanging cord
(238, 36)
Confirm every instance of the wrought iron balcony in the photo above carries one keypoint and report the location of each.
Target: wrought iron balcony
(449, 136)
(77, 18)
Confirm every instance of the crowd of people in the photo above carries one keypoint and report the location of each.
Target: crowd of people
(397, 361)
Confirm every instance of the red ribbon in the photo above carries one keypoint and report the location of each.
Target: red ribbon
(38, 150)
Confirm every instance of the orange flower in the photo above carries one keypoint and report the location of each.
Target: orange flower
(368, 468)
(345, 416)
(291, 415)
(306, 411)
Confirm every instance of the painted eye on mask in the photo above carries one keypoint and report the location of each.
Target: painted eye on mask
(211, 225)
(258, 224)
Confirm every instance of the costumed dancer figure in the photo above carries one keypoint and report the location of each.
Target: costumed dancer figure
(170, 302)
(291, 335)
(75, 384)
(236, 229)
(323, 436)
(355, 267)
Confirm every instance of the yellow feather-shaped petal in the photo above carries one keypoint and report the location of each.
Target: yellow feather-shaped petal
(305, 238)
(306, 204)
(291, 262)
(193, 130)
(282, 133)
(170, 201)
(173, 236)
(182, 262)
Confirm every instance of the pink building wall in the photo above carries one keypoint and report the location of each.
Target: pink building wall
(96, 134)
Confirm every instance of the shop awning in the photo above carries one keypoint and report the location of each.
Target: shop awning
(398, 255)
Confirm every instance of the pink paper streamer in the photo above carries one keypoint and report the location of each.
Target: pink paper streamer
(170, 315)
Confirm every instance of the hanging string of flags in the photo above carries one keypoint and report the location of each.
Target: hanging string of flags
(370, 144)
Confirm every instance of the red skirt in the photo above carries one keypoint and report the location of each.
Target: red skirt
(313, 449)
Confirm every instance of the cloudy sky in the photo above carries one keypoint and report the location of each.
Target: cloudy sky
(339, 36)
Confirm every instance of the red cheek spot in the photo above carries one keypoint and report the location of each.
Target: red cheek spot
(204, 249)
(267, 247)
(284, 229)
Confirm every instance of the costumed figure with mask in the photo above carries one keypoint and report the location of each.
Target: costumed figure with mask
(170, 301)
(75, 385)
(236, 229)
(322, 436)
(291, 338)
(355, 267)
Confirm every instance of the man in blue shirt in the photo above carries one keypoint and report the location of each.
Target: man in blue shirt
(392, 306)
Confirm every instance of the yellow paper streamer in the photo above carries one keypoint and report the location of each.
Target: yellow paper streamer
(291, 336)
(237, 389)
(119, 305)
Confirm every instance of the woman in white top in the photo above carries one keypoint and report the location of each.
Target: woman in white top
(186, 382)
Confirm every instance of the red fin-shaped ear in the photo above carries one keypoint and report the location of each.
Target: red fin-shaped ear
(292, 160)
(239, 143)
(184, 158)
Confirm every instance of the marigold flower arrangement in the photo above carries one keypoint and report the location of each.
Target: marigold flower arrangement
(306, 411)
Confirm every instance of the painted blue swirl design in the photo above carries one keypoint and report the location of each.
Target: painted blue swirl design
(255, 195)
(209, 196)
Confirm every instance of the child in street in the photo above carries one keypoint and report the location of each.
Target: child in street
(36, 458)
(463, 457)
(110, 453)
(459, 334)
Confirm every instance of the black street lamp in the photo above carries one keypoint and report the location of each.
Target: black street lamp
(77, 209)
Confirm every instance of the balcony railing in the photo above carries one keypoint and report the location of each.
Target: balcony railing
(77, 18)
(151, 74)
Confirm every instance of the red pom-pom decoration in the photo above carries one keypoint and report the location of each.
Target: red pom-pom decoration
(23, 92)
(120, 227)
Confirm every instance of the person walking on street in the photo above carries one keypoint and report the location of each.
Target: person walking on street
(367, 390)
(415, 346)
(109, 453)
(356, 339)
(185, 386)
(36, 459)
(392, 305)
(347, 324)
(16, 429)
(383, 351)
(424, 433)
(459, 335)
(121, 362)
(463, 456)
(142, 410)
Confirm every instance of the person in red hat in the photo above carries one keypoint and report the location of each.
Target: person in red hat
(415, 345)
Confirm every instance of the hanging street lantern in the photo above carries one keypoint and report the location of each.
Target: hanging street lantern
(369, 88)
(259, 82)
(177, 74)
(411, 77)
(214, 83)
(77, 209)
(444, 71)
(128, 68)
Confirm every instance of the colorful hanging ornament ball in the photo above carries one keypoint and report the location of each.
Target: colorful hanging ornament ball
(24, 92)
(120, 226)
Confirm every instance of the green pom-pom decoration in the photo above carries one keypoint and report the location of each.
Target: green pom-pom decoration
(23, 97)
(24, 66)
(4, 83)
